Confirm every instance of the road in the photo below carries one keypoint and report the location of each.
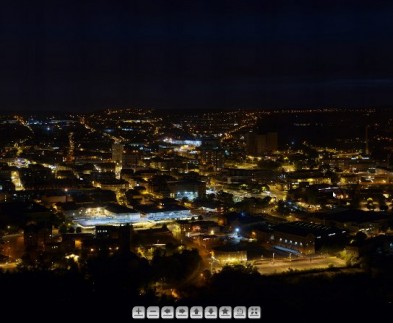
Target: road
(268, 267)
(9, 266)
(84, 123)
(280, 195)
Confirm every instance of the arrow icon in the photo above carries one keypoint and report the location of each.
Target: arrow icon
(211, 312)
(196, 312)
(182, 312)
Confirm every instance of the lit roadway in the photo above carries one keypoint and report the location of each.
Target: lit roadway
(13, 245)
(280, 195)
(88, 127)
(71, 148)
(13, 248)
(268, 266)
(16, 181)
(249, 120)
(9, 266)
(24, 123)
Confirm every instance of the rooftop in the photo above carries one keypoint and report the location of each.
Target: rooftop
(305, 228)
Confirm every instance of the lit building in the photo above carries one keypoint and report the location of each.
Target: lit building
(111, 214)
(56, 196)
(305, 178)
(291, 238)
(169, 212)
(304, 237)
(130, 159)
(117, 152)
(105, 167)
(229, 254)
(208, 227)
(212, 156)
(110, 184)
(242, 175)
(190, 189)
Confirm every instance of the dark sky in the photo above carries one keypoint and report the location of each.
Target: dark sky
(82, 55)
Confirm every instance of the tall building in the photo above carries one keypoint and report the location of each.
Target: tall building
(117, 152)
(130, 158)
(212, 156)
(258, 144)
(367, 150)
(271, 141)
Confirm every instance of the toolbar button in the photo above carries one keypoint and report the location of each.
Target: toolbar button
(240, 312)
(168, 312)
(211, 312)
(153, 312)
(196, 312)
(254, 312)
(182, 312)
(225, 312)
(138, 312)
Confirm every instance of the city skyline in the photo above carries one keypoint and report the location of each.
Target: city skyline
(283, 211)
(71, 56)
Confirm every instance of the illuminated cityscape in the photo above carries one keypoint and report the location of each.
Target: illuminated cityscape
(210, 159)
(206, 195)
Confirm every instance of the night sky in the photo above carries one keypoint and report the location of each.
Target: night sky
(81, 55)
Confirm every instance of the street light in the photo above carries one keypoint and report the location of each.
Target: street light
(66, 194)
